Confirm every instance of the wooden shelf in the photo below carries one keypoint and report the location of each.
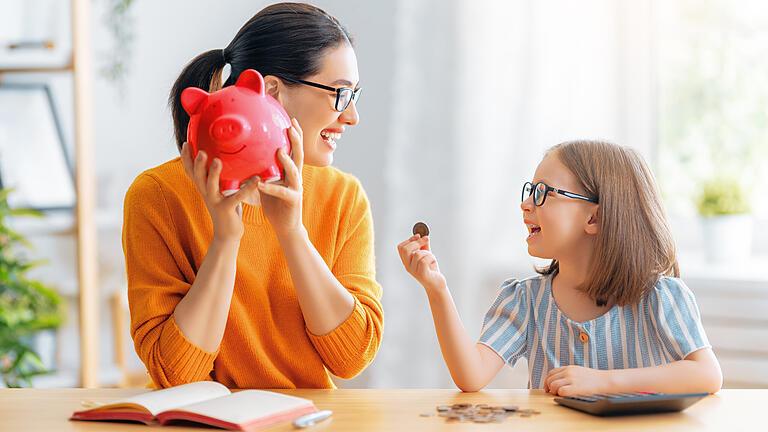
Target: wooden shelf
(65, 68)
(80, 65)
(85, 186)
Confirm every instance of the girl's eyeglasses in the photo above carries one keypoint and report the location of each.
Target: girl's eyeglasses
(541, 189)
(344, 95)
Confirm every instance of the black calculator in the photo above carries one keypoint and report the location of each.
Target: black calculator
(604, 404)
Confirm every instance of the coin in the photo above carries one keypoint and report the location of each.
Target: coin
(482, 419)
(421, 228)
(529, 411)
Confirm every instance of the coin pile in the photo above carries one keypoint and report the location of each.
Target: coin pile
(480, 413)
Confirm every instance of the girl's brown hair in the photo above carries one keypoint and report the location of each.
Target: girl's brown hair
(634, 244)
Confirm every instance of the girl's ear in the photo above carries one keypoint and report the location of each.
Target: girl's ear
(272, 86)
(593, 223)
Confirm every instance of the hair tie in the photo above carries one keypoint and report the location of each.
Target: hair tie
(224, 55)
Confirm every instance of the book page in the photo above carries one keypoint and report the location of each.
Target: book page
(247, 405)
(174, 397)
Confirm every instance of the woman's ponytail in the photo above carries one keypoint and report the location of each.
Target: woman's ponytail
(203, 72)
(285, 39)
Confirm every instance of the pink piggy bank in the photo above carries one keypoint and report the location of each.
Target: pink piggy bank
(241, 125)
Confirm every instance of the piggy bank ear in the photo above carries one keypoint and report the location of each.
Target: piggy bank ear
(251, 79)
(193, 99)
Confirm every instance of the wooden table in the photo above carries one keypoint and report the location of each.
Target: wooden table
(399, 410)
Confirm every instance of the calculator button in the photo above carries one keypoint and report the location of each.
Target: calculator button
(584, 337)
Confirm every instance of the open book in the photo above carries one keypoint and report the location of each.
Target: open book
(206, 402)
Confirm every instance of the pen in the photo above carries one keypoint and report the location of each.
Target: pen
(310, 419)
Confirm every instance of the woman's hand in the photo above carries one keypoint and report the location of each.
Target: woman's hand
(282, 203)
(421, 263)
(225, 211)
(576, 380)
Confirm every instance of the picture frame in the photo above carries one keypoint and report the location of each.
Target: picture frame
(33, 155)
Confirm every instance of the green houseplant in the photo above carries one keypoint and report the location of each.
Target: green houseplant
(722, 196)
(26, 306)
(724, 207)
(120, 24)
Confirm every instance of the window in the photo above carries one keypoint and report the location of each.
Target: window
(713, 98)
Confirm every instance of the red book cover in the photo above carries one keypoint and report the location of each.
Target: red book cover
(205, 402)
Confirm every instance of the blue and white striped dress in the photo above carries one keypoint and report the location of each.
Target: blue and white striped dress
(524, 321)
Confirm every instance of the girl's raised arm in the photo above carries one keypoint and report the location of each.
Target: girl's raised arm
(472, 366)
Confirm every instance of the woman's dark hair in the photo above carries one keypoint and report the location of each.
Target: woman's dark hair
(287, 39)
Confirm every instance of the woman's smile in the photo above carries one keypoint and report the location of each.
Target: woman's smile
(329, 137)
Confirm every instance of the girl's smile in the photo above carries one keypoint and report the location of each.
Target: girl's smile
(533, 230)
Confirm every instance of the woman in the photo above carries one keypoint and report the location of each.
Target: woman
(273, 286)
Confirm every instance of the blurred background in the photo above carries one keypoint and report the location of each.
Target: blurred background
(460, 100)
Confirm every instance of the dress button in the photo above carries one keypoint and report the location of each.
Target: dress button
(584, 337)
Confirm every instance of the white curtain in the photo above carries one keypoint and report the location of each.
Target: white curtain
(480, 90)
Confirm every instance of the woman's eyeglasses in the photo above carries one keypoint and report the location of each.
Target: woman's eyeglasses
(344, 95)
(541, 189)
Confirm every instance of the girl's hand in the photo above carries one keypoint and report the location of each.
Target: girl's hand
(282, 203)
(576, 380)
(225, 211)
(421, 263)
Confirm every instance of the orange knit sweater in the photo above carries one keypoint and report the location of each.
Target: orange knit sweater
(166, 233)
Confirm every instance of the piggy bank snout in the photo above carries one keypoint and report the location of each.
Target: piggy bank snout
(228, 130)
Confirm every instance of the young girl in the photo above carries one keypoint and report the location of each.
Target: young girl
(608, 314)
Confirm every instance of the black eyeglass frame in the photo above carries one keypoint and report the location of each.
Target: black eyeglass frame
(547, 189)
(355, 92)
